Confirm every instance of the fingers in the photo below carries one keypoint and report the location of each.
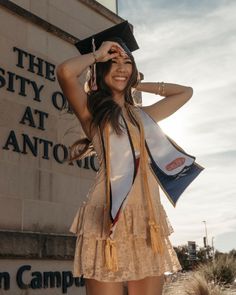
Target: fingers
(109, 50)
(114, 55)
(114, 47)
(119, 50)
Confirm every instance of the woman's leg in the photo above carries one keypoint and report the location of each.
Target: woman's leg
(94, 287)
(147, 286)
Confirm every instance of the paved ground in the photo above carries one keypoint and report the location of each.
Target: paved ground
(175, 286)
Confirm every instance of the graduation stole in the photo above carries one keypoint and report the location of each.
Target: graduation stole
(173, 167)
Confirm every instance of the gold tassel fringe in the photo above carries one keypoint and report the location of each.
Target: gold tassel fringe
(156, 241)
(155, 232)
(108, 165)
(110, 247)
(111, 255)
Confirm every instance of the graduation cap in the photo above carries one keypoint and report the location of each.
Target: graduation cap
(120, 33)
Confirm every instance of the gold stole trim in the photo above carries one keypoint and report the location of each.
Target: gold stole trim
(111, 260)
(155, 230)
(110, 247)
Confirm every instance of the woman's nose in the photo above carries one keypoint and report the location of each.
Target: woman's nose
(120, 68)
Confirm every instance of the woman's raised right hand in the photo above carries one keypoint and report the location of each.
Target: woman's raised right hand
(109, 50)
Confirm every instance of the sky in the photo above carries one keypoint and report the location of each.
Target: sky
(193, 43)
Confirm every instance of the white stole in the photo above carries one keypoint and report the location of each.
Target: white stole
(170, 159)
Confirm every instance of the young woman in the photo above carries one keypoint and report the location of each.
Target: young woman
(122, 228)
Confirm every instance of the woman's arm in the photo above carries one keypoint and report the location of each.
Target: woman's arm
(67, 74)
(70, 70)
(175, 97)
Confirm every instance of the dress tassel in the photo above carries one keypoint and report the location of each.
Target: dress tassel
(111, 255)
(156, 241)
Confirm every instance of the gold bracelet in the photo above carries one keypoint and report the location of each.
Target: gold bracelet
(160, 88)
(162, 93)
(95, 57)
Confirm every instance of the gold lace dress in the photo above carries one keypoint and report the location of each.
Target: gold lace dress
(136, 259)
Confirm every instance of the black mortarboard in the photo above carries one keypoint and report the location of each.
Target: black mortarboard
(120, 33)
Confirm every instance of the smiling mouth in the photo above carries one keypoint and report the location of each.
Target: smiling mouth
(120, 78)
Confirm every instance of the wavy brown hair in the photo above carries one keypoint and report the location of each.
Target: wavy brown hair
(102, 106)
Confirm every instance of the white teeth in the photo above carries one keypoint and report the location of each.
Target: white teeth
(120, 78)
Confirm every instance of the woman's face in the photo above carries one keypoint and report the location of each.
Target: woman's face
(119, 74)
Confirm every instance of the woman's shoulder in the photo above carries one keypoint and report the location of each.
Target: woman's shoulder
(139, 110)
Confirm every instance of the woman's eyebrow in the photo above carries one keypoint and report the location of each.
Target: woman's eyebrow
(126, 57)
(119, 58)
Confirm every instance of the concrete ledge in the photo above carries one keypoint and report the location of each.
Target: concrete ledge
(36, 245)
(14, 8)
(96, 6)
(33, 18)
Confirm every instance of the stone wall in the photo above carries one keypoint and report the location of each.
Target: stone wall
(38, 192)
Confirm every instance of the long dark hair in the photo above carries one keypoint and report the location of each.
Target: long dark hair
(100, 102)
(102, 106)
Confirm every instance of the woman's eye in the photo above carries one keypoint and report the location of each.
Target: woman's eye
(128, 62)
(113, 61)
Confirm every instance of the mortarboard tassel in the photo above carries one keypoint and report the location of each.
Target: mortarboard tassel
(94, 86)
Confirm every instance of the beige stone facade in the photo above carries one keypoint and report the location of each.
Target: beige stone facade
(39, 190)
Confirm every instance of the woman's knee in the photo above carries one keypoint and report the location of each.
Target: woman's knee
(148, 286)
(95, 287)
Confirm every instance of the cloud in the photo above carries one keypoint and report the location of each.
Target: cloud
(189, 41)
(226, 241)
(194, 43)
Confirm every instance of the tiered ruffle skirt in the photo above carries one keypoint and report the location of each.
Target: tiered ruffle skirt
(136, 259)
